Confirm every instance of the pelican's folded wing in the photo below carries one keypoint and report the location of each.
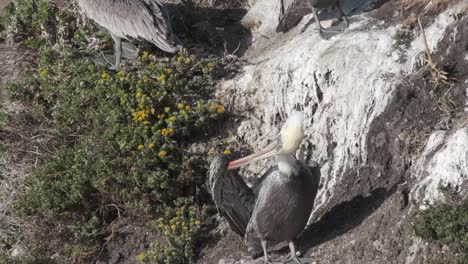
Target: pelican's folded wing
(233, 198)
(163, 36)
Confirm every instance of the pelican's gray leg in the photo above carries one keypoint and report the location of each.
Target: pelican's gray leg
(293, 253)
(342, 14)
(117, 51)
(320, 28)
(266, 259)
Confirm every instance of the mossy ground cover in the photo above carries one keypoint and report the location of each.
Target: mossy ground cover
(446, 224)
(121, 137)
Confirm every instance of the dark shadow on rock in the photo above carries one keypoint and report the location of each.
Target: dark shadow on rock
(343, 217)
(211, 31)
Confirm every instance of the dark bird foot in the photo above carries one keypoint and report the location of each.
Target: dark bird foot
(338, 21)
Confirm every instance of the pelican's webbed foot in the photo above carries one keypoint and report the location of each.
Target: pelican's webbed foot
(266, 259)
(129, 51)
(293, 253)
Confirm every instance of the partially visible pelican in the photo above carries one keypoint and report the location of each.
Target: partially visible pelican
(138, 19)
(291, 16)
(278, 208)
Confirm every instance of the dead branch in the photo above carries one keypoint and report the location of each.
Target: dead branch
(438, 75)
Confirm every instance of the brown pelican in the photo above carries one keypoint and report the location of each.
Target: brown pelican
(278, 208)
(137, 19)
(299, 8)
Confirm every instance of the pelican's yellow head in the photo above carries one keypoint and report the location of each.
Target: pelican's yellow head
(292, 133)
(288, 142)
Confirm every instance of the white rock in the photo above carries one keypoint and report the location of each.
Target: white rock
(17, 251)
(443, 162)
(342, 84)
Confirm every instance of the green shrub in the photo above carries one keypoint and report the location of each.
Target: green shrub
(445, 223)
(33, 22)
(127, 129)
(178, 228)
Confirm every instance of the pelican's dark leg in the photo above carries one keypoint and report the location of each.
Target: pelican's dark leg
(293, 253)
(117, 51)
(266, 259)
(282, 11)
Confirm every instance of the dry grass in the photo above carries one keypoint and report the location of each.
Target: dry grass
(20, 150)
(439, 76)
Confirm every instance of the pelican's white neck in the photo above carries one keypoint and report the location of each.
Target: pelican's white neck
(287, 165)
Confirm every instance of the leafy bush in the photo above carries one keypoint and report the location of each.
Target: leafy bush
(124, 135)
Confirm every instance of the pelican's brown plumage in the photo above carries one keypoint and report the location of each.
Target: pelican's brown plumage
(137, 19)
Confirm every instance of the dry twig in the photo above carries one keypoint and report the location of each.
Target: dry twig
(438, 75)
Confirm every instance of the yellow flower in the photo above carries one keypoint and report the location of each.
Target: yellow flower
(139, 94)
(44, 73)
(197, 222)
(140, 116)
(141, 256)
(211, 152)
(167, 109)
(217, 108)
(210, 65)
(168, 71)
(162, 154)
(150, 145)
(165, 132)
(187, 107)
(172, 119)
(146, 123)
(227, 152)
(220, 109)
(162, 77)
(145, 79)
(180, 59)
(161, 116)
(140, 147)
(173, 227)
(104, 76)
(145, 54)
(180, 106)
(187, 61)
(121, 73)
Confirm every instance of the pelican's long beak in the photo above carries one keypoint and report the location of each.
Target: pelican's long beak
(270, 150)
